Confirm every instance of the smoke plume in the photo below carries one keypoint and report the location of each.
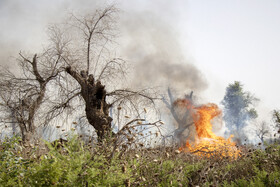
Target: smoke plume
(152, 47)
(149, 41)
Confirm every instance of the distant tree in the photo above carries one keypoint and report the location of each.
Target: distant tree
(238, 107)
(276, 124)
(262, 130)
(276, 118)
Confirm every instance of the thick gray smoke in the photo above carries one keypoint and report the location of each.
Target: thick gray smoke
(153, 48)
(147, 41)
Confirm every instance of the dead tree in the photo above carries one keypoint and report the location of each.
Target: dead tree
(96, 107)
(262, 130)
(24, 91)
(24, 94)
(90, 67)
(182, 115)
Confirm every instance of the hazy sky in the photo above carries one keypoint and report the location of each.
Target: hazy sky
(226, 40)
(237, 40)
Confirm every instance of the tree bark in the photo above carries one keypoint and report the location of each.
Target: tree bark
(96, 107)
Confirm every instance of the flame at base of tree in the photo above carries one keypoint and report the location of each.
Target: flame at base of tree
(207, 143)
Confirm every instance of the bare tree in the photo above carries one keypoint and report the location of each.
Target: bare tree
(181, 113)
(23, 93)
(89, 67)
(262, 130)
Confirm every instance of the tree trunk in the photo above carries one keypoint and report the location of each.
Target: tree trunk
(97, 109)
(23, 132)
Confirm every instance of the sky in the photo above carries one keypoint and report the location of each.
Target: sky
(227, 41)
(237, 40)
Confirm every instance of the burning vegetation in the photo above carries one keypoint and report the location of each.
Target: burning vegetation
(204, 142)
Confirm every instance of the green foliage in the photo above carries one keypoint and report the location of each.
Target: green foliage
(76, 164)
(238, 106)
(71, 165)
(262, 179)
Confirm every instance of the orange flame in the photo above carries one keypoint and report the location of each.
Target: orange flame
(207, 143)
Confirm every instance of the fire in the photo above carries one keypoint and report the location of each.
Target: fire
(207, 143)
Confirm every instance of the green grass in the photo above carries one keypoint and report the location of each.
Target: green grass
(79, 165)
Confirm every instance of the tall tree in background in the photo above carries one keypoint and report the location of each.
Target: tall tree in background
(238, 107)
